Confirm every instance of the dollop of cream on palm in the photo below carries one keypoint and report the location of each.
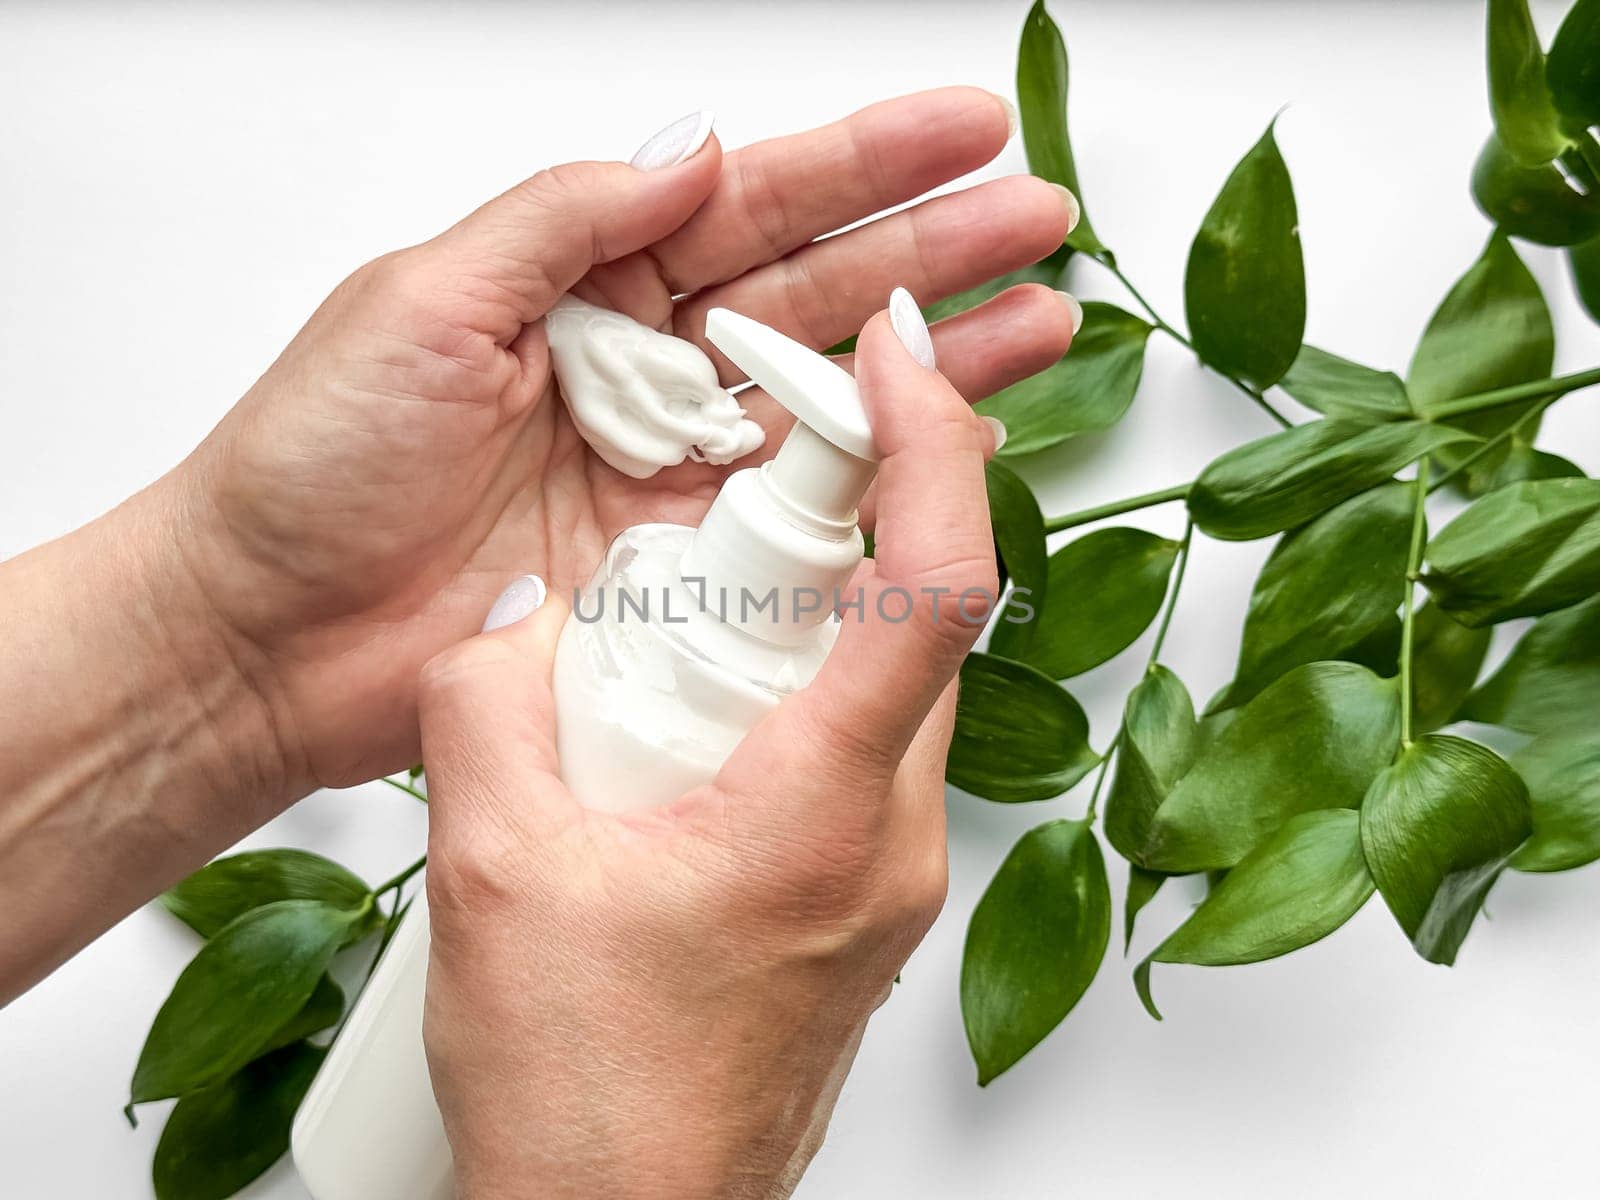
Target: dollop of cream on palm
(642, 398)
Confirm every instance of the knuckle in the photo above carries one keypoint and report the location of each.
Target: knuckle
(766, 205)
(459, 669)
(474, 871)
(929, 889)
(397, 274)
(956, 599)
(557, 189)
(810, 306)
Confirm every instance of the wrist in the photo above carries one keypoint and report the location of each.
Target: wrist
(215, 681)
(138, 744)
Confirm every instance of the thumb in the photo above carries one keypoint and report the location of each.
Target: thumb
(535, 241)
(488, 723)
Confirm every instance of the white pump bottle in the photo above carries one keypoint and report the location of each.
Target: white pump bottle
(684, 639)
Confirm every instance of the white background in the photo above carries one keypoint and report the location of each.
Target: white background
(179, 186)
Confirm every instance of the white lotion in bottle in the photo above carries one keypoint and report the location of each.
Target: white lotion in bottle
(684, 639)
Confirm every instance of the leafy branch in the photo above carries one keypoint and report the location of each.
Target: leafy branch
(1317, 775)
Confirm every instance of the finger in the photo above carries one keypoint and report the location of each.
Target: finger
(488, 731)
(824, 292)
(901, 647)
(1002, 341)
(989, 347)
(776, 195)
(522, 250)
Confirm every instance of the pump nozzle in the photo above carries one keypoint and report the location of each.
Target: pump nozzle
(826, 462)
(789, 526)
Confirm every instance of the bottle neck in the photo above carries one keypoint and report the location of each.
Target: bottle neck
(770, 563)
(817, 483)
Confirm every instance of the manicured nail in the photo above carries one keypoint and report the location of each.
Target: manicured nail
(676, 143)
(525, 594)
(910, 328)
(1013, 121)
(998, 428)
(1074, 211)
(1074, 308)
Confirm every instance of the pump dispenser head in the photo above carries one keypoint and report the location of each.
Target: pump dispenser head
(790, 524)
(830, 449)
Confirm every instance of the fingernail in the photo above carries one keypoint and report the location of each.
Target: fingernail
(1013, 121)
(1074, 308)
(910, 328)
(525, 594)
(998, 428)
(1074, 212)
(677, 143)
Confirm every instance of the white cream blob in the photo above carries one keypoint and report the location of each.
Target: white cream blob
(643, 399)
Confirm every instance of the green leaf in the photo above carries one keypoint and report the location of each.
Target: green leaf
(1018, 736)
(221, 892)
(1379, 651)
(1563, 778)
(1142, 888)
(242, 987)
(1491, 331)
(1572, 71)
(1521, 463)
(1244, 291)
(1520, 551)
(1312, 740)
(1035, 943)
(1157, 745)
(1295, 888)
(1285, 479)
(1445, 660)
(1550, 680)
(1537, 203)
(1524, 117)
(1584, 260)
(1327, 587)
(1337, 387)
(1104, 589)
(1088, 390)
(1019, 536)
(1042, 103)
(1438, 827)
(218, 1140)
(321, 1011)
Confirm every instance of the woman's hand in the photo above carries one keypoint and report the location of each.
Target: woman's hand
(665, 1003)
(407, 455)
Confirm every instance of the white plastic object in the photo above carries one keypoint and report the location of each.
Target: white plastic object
(369, 1126)
(685, 638)
(658, 677)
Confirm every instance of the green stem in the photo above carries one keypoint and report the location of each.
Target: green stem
(1155, 653)
(1582, 161)
(389, 927)
(1407, 627)
(1100, 779)
(1491, 444)
(1554, 388)
(1589, 150)
(1160, 323)
(1172, 596)
(401, 878)
(1116, 508)
(1149, 309)
(406, 788)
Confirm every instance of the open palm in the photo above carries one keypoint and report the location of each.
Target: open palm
(408, 454)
